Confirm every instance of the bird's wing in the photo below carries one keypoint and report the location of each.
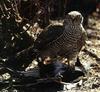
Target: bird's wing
(51, 33)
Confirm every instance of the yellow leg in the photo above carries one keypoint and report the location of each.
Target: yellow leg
(68, 63)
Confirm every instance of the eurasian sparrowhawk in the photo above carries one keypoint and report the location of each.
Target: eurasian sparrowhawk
(65, 41)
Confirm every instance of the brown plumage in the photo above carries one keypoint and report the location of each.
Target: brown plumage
(65, 41)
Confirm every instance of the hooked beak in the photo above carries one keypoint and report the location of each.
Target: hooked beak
(73, 17)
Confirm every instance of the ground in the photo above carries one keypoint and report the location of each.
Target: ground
(89, 57)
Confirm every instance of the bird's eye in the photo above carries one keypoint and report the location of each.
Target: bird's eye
(75, 18)
(78, 18)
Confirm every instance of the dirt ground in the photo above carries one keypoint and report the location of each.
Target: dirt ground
(89, 57)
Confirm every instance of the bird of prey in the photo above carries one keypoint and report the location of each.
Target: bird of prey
(63, 41)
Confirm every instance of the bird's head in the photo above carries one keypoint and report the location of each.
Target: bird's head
(74, 17)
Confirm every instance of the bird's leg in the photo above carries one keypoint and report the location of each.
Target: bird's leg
(68, 63)
(71, 64)
(64, 60)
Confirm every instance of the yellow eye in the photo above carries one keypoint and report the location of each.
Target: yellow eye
(78, 18)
